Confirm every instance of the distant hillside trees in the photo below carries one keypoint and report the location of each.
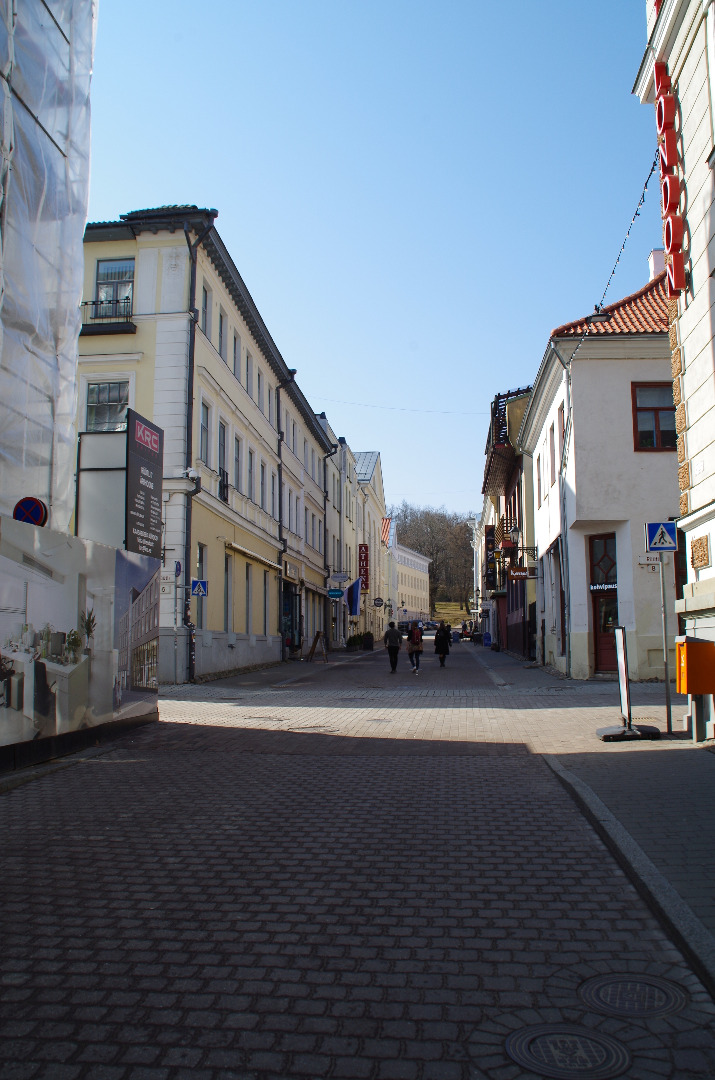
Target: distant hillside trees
(445, 538)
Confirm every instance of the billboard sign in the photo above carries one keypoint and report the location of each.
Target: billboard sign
(145, 468)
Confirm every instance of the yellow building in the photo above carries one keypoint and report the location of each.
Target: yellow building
(170, 329)
(370, 514)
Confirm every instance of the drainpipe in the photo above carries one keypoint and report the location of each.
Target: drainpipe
(328, 601)
(281, 535)
(193, 247)
(563, 541)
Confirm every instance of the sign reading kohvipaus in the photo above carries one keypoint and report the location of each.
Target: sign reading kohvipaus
(145, 467)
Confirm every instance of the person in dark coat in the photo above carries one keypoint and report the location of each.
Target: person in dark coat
(393, 643)
(441, 643)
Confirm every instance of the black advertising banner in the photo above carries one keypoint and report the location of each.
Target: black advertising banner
(145, 468)
(490, 574)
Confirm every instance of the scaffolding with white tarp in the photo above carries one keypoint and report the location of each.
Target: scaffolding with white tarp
(46, 49)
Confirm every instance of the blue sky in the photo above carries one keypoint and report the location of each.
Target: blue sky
(415, 192)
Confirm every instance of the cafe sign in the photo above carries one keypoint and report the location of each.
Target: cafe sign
(521, 573)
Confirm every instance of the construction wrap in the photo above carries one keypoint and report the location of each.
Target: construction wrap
(46, 49)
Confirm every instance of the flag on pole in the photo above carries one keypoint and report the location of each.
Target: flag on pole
(352, 597)
(385, 531)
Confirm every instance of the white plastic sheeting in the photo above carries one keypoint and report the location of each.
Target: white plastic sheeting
(46, 49)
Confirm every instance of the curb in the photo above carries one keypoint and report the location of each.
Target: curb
(682, 925)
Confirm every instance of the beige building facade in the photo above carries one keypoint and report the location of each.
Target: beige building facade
(170, 329)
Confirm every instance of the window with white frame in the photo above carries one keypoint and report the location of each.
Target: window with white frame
(206, 310)
(107, 404)
(204, 433)
(263, 487)
(222, 339)
(270, 406)
(274, 481)
(305, 454)
(259, 388)
(115, 288)
(305, 524)
(237, 356)
(249, 373)
(251, 474)
(237, 463)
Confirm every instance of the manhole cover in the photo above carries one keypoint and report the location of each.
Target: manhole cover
(567, 1052)
(624, 995)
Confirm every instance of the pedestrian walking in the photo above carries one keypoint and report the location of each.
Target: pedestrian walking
(393, 644)
(414, 646)
(441, 643)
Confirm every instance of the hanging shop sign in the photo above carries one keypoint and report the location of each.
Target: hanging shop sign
(291, 570)
(490, 575)
(521, 573)
(145, 468)
(340, 576)
(364, 567)
(604, 586)
(666, 113)
(378, 601)
(335, 594)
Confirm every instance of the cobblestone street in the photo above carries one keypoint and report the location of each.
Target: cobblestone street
(328, 871)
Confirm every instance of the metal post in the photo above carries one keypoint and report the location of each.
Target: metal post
(664, 613)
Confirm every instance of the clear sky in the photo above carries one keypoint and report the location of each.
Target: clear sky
(415, 192)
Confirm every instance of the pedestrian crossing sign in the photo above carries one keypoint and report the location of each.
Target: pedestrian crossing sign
(199, 587)
(660, 536)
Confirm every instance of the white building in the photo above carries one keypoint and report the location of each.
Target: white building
(676, 75)
(411, 574)
(600, 429)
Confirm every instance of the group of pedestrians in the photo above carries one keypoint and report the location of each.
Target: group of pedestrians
(393, 644)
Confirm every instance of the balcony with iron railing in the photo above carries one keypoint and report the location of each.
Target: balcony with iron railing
(107, 317)
(223, 485)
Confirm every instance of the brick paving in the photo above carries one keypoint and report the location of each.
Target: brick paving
(327, 871)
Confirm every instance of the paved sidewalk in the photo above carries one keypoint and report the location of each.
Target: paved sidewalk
(331, 871)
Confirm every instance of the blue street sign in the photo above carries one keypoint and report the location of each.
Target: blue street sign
(177, 569)
(335, 594)
(660, 536)
(199, 587)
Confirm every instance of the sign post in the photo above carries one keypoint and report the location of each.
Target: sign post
(661, 536)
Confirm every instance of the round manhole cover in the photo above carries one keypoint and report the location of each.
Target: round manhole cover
(568, 1053)
(626, 995)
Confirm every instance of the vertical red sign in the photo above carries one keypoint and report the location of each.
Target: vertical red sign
(364, 567)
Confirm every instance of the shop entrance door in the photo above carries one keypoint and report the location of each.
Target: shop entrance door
(604, 599)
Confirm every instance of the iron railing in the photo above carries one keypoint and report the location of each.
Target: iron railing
(106, 312)
(223, 485)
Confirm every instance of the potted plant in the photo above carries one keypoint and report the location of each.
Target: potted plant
(87, 624)
(368, 641)
(354, 642)
(74, 644)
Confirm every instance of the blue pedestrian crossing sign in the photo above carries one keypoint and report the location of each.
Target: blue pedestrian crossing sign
(199, 587)
(660, 536)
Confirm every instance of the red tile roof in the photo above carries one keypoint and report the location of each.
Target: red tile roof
(644, 312)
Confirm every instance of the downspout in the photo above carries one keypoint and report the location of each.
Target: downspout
(327, 621)
(193, 247)
(563, 538)
(281, 535)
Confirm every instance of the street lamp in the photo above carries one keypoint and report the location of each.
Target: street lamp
(514, 536)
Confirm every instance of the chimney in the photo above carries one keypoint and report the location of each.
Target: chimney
(656, 262)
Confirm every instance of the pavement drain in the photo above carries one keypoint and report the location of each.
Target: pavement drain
(624, 995)
(566, 1052)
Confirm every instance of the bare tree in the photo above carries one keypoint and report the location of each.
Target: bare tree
(443, 537)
